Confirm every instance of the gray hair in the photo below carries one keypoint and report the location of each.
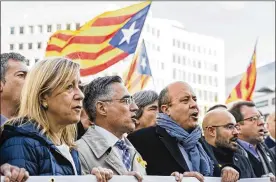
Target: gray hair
(5, 57)
(144, 98)
(97, 89)
(163, 98)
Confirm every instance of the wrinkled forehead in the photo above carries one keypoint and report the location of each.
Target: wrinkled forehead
(180, 89)
(221, 117)
(247, 111)
(118, 90)
(14, 65)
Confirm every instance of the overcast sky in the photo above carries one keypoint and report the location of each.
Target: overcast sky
(237, 23)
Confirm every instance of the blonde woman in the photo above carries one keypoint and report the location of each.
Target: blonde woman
(41, 139)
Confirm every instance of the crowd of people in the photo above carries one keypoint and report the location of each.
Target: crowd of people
(52, 124)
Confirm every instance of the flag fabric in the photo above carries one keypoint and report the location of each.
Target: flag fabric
(245, 88)
(139, 72)
(103, 41)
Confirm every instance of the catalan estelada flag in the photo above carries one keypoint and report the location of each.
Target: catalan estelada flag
(103, 41)
(139, 72)
(245, 88)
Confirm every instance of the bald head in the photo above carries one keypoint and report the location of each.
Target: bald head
(217, 118)
(219, 129)
(271, 124)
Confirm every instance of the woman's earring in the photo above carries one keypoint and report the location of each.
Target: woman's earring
(45, 106)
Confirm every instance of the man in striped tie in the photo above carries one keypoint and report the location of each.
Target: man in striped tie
(109, 105)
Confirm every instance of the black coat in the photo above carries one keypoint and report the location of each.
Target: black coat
(268, 157)
(226, 156)
(161, 152)
(269, 142)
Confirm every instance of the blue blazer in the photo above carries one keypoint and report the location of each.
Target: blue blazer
(24, 146)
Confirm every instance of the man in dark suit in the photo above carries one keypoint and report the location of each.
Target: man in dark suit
(173, 145)
(251, 138)
(270, 139)
(221, 133)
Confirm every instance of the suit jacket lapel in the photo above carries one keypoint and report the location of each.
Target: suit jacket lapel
(171, 144)
(98, 144)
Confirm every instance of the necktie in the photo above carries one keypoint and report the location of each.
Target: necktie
(126, 155)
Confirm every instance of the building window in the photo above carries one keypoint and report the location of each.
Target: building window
(183, 45)
(21, 30)
(200, 94)
(58, 26)
(198, 49)
(205, 95)
(68, 26)
(36, 60)
(215, 82)
(49, 28)
(215, 67)
(174, 73)
(12, 31)
(204, 79)
(173, 58)
(178, 44)
(188, 47)
(184, 60)
(40, 28)
(162, 65)
(194, 77)
(39, 45)
(179, 59)
(77, 26)
(199, 79)
(20, 46)
(173, 42)
(30, 46)
(11, 47)
(28, 62)
(184, 75)
(273, 101)
(31, 29)
(210, 80)
(194, 63)
(194, 48)
(199, 64)
(189, 77)
(210, 52)
(158, 48)
(261, 103)
(158, 33)
(153, 31)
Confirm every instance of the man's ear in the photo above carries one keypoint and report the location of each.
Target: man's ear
(165, 109)
(101, 108)
(212, 131)
(2, 86)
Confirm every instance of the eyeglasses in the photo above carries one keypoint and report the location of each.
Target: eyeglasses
(255, 118)
(126, 100)
(228, 126)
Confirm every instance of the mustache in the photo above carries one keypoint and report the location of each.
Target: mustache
(234, 139)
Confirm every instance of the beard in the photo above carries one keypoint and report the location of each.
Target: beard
(224, 144)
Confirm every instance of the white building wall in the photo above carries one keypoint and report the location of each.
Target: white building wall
(202, 65)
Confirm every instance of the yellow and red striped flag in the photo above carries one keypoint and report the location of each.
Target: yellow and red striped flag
(245, 88)
(139, 72)
(103, 41)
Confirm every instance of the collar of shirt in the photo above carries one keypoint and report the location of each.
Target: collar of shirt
(3, 119)
(111, 139)
(249, 147)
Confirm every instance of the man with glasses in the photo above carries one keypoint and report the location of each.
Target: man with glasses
(221, 133)
(110, 107)
(174, 145)
(251, 137)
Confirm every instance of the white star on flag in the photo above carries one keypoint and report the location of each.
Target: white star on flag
(128, 33)
(143, 63)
